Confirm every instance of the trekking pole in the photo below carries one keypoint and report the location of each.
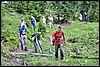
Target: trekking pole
(38, 46)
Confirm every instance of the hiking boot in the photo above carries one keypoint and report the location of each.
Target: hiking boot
(62, 58)
(21, 48)
(26, 49)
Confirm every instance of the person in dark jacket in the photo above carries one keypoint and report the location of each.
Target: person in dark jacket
(36, 39)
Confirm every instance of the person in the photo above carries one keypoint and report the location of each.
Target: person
(21, 23)
(57, 37)
(80, 18)
(36, 39)
(58, 15)
(44, 20)
(33, 22)
(85, 17)
(23, 38)
(50, 20)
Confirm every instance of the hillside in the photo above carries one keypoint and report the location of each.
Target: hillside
(81, 48)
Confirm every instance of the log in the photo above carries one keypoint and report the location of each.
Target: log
(18, 53)
(32, 54)
(85, 57)
(79, 56)
(38, 54)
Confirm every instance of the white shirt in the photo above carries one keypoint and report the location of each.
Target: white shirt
(43, 20)
(22, 23)
(50, 18)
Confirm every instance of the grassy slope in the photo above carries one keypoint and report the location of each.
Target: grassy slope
(76, 29)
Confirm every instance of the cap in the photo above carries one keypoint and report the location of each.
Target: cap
(59, 27)
(22, 18)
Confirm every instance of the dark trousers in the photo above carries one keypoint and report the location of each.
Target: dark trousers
(35, 45)
(33, 26)
(57, 46)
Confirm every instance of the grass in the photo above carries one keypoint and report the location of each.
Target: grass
(75, 30)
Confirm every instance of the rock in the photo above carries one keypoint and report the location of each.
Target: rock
(12, 14)
(17, 60)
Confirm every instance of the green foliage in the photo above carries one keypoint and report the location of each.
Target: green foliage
(9, 31)
(41, 28)
(70, 8)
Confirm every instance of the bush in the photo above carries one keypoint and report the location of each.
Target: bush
(41, 28)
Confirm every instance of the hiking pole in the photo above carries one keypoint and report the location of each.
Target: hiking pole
(38, 46)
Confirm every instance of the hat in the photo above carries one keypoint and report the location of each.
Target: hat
(59, 27)
(22, 18)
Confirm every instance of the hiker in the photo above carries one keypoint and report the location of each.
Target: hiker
(23, 38)
(37, 43)
(57, 38)
(80, 18)
(33, 22)
(85, 17)
(58, 15)
(21, 23)
(50, 21)
(44, 20)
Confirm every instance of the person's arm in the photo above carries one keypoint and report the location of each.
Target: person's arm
(19, 34)
(42, 38)
(52, 37)
(26, 31)
(19, 25)
(35, 21)
(36, 39)
(64, 37)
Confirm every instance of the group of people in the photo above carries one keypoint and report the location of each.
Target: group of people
(56, 38)
(50, 18)
(85, 17)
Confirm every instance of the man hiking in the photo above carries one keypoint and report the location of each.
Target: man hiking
(80, 17)
(37, 43)
(57, 37)
(33, 22)
(21, 23)
(85, 17)
(23, 38)
(50, 20)
(44, 20)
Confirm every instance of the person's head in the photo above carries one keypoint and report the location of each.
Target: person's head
(39, 33)
(43, 17)
(50, 15)
(59, 28)
(32, 17)
(22, 19)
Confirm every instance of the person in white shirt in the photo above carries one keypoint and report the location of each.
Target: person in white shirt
(50, 20)
(44, 20)
(21, 23)
(80, 18)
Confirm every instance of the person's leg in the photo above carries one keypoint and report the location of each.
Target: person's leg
(40, 45)
(22, 42)
(56, 51)
(34, 27)
(35, 47)
(50, 24)
(61, 51)
(25, 42)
